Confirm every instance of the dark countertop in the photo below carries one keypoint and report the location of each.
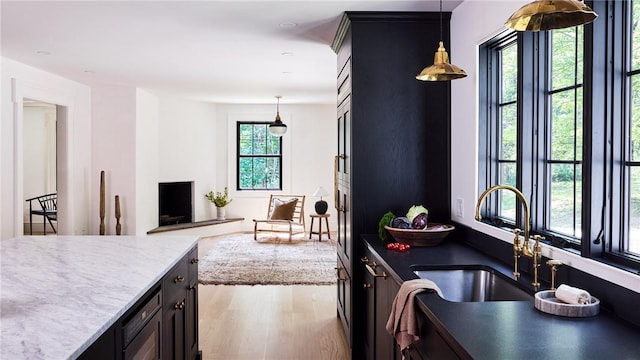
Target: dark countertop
(508, 329)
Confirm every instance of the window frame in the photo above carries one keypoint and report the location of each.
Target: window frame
(490, 117)
(604, 117)
(239, 156)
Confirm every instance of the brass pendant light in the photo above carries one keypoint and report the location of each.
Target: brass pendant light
(441, 70)
(277, 128)
(551, 14)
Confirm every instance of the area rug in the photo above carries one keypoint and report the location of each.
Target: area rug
(237, 259)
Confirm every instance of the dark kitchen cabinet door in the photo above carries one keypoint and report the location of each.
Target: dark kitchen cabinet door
(343, 186)
(386, 290)
(175, 342)
(180, 309)
(343, 295)
(191, 307)
(369, 319)
(381, 290)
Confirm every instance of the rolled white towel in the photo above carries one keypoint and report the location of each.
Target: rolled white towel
(572, 295)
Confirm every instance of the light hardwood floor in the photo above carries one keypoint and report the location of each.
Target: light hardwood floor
(269, 322)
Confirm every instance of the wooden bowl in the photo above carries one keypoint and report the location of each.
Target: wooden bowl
(433, 235)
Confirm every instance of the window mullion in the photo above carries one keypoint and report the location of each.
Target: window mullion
(529, 62)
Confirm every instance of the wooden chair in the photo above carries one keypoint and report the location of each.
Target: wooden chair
(294, 226)
(48, 210)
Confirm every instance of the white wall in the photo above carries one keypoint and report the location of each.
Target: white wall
(114, 152)
(18, 81)
(487, 18)
(146, 161)
(308, 149)
(140, 139)
(187, 149)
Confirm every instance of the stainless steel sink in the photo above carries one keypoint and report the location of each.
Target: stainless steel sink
(472, 283)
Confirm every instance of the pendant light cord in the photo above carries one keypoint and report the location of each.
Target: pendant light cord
(440, 20)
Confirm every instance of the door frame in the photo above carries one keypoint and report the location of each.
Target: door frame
(21, 89)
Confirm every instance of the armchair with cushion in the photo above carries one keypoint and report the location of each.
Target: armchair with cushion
(285, 214)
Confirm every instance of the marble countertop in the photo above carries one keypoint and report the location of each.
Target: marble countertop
(58, 294)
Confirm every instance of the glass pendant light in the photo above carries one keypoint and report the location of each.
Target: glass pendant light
(277, 128)
(551, 14)
(441, 70)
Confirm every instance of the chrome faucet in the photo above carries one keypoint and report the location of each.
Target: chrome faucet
(519, 248)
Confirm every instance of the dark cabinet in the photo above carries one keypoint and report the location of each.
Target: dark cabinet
(180, 316)
(162, 325)
(380, 291)
(393, 137)
(344, 295)
(343, 206)
(192, 307)
(431, 344)
(174, 331)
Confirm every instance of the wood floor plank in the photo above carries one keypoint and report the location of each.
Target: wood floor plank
(269, 322)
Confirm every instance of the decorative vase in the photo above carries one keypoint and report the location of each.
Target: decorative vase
(321, 207)
(221, 212)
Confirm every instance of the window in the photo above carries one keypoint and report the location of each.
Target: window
(632, 155)
(508, 128)
(570, 137)
(259, 163)
(563, 185)
(501, 136)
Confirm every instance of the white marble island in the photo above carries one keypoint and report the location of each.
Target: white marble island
(58, 294)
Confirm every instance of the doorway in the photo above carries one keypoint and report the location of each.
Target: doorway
(39, 177)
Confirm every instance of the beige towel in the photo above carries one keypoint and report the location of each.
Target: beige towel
(402, 321)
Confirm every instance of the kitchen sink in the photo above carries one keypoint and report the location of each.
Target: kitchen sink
(475, 283)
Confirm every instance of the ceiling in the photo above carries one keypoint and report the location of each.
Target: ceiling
(217, 51)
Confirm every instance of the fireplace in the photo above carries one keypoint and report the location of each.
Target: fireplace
(175, 203)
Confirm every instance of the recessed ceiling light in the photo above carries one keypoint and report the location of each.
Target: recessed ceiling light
(89, 72)
(43, 52)
(287, 54)
(286, 73)
(288, 24)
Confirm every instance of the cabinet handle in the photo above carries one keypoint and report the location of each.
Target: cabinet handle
(178, 279)
(195, 260)
(373, 272)
(366, 261)
(338, 268)
(367, 286)
(179, 305)
(336, 197)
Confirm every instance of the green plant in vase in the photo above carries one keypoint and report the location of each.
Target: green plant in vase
(220, 200)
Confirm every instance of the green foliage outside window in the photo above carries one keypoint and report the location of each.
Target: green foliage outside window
(508, 127)
(565, 123)
(633, 170)
(259, 158)
(540, 141)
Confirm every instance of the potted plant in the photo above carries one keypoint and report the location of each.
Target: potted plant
(220, 200)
